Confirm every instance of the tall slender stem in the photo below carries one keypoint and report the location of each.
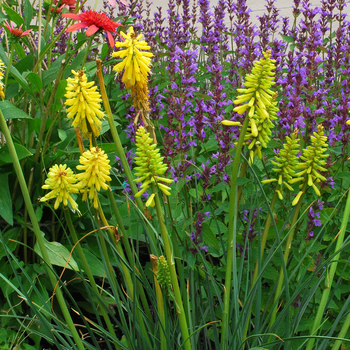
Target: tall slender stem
(262, 248)
(87, 270)
(120, 149)
(286, 254)
(231, 254)
(330, 277)
(174, 281)
(4, 129)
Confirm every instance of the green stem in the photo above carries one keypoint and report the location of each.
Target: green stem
(330, 277)
(120, 149)
(126, 244)
(173, 275)
(231, 254)
(262, 248)
(87, 270)
(286, 255)
(125, 269)
(12, 50)
(36, 229)
(160, 303)
(87, 51)
(342, 333)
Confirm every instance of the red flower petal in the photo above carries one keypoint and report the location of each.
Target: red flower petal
(76, 26)
(110, 39)
(91, 30)
(73, 16)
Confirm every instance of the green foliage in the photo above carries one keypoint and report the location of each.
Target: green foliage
(95, 270)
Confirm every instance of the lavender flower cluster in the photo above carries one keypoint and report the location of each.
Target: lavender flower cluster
(206, 51)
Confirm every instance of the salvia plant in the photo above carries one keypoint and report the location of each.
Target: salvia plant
(175, 178)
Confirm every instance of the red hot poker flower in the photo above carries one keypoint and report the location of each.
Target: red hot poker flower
(17, 32)
(94, 21)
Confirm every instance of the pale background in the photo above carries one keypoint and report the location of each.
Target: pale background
(257, 6)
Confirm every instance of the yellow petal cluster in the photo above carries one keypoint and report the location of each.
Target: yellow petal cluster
(62, 182)
(286, 164)
(2, 69)
(259, 99)
(84, 102)
(149, 165)
(95, 165)
(136, 63)
(312, 163)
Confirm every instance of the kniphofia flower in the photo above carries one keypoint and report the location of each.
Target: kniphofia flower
(84, 102)
(286, 164)
(312, 163)
(94, 21)
(16, 32)
(62, 182)
(95, 165)
(136, 62)
(2, 69)
(149, 165)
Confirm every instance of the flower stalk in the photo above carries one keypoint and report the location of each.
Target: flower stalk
(91, 278)
(287, 250)
(329, 279)
(4, 129)
(120, 149)
(231, 253)
(174, 281)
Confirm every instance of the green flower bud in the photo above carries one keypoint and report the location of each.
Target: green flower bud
(163, 275)
(150, 165)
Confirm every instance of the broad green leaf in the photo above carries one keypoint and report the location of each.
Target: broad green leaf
(16, 74)
(96, 265)
(210, 240)
(24, 63)
(209, 146)
(51, 74)
(58, 255)
(5, 199)
(14, 16)
(219, 187)
(19, 50)
(36, 83)
(9, 237)
(28, 12)
(62, 134)
(287, 38)
(5, 157)
(11, 112)
(242, 181)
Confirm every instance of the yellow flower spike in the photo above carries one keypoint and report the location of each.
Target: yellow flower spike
(313, 159)
(62, 182)
(84, 102)
(150, 165)
(95, 165)
(287, 163)
(136, 65)
(2, 69)
(259, 99)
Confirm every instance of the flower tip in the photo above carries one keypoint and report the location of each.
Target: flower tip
(348, 122)
(230, 123)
